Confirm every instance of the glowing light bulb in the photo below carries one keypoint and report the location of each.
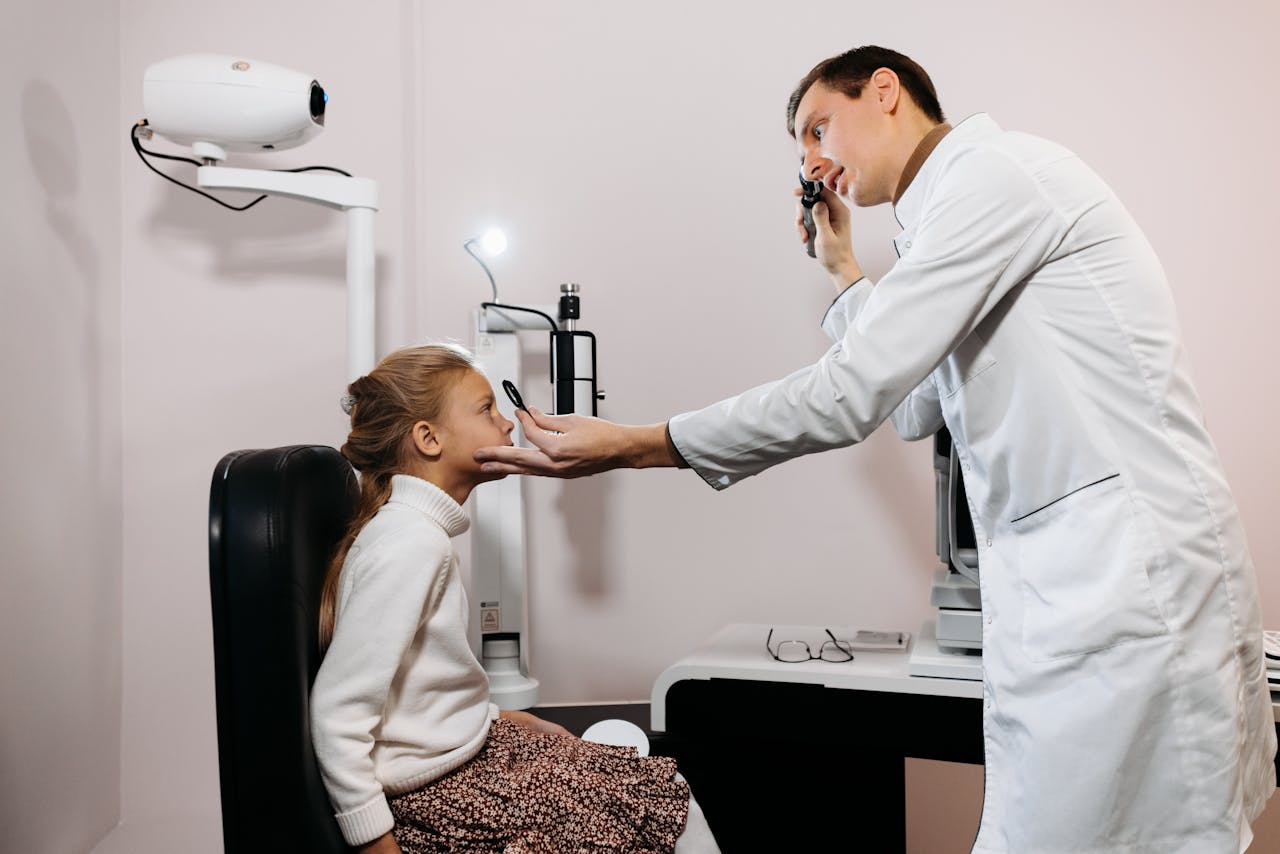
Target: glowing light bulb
(494, 242)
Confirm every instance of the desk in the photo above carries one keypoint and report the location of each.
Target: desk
(737, 652)
(809, 757)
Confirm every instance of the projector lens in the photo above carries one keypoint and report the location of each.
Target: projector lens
(318, 100)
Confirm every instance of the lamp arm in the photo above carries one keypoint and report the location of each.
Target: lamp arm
(359, 198)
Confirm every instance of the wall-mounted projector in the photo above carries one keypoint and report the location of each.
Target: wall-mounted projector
(216, 103)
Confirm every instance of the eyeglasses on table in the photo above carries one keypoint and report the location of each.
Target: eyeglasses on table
(798, 651)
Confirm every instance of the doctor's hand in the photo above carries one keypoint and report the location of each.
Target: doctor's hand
(834, 241)
(577, 445)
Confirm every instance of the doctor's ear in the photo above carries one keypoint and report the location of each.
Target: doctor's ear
(886, 86)
(425, 439)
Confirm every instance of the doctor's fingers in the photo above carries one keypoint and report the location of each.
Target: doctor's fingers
(541, 429)
(553, 423)
(834, 211)
(509, 460)
(801, 231)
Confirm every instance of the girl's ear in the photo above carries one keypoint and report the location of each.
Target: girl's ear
(425, 440)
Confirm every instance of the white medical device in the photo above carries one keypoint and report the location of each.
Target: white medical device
(218, 103)
(499, 576)
(951, 645)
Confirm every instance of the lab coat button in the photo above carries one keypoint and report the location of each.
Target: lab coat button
(908, 244)
(989, 619)
(988, 542)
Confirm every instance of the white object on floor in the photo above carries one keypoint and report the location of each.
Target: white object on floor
(697, 837)
(618, 732)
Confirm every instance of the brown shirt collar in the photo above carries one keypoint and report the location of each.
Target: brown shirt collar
(919, 156)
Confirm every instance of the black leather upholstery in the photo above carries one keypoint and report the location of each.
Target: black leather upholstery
(274, 519)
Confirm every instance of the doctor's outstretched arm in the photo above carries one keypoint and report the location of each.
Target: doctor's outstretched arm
(575, 446)
(578, 445)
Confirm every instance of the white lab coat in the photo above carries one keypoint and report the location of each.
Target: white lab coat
(1124, 681)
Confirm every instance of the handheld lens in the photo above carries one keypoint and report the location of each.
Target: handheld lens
(513, 394)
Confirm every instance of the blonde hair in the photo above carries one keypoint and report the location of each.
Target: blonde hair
(406, 387)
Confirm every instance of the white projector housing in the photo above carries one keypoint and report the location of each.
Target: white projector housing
(216, 103)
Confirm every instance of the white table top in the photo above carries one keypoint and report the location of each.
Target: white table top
(737, 652)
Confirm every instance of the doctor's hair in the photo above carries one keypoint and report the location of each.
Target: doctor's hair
(406, 387)
(850, 71)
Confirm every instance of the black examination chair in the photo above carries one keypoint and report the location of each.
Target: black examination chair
(274, 519)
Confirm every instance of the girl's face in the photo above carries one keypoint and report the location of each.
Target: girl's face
(471, 421)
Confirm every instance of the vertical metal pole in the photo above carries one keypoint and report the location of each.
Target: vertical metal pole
(361, 316)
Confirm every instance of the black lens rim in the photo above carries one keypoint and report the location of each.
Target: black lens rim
(317, 103)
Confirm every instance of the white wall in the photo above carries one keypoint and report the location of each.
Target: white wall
(639, 151)
(60, 509)
(642, 154)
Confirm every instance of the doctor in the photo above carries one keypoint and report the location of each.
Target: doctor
(1126, 707)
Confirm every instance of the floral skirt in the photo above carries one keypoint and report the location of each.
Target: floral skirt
(538, 793)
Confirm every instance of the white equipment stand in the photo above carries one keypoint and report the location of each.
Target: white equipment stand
(359, 198)
(499, 577)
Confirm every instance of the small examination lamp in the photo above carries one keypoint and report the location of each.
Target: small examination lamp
(492, 243)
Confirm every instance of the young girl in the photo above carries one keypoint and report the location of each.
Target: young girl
(414, 756)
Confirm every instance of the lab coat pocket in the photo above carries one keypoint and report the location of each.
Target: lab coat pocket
(1084, 563)
(963, 365)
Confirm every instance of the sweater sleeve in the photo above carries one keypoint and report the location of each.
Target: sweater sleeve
(380, 609)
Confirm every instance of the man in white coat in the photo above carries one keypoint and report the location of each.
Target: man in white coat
(1126, 705)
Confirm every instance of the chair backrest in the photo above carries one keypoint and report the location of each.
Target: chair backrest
(275, 517)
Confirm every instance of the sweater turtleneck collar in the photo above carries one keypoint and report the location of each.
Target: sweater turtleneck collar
(431, 500)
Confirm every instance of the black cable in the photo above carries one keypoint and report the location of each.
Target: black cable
(315, 169)
(503, 306)
(137, 146)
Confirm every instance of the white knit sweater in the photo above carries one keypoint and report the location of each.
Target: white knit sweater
(400, 698)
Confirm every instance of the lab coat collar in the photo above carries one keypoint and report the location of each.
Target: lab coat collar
(977, 126)
(918, 157)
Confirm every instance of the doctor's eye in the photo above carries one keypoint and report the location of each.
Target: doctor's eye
(819, 130)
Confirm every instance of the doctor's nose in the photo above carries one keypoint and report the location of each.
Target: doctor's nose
(816, 168)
